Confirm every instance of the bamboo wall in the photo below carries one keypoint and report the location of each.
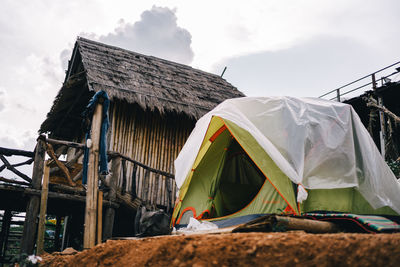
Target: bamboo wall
(152, 139)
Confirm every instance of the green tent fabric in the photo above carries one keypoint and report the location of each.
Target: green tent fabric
(260, 155)
(233, 176)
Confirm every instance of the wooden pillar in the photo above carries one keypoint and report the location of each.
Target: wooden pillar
(43, 209)
(65, 236)
(32, 209)
(89, 237)
(382, 132)
(57, 245)
(5, 229)
(99, 217)
(110, 212)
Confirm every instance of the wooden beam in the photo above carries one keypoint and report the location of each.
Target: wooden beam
(117, 154)
(43, 210)
(74, 159)
(60, 165)
(110, 212)
(65, 143)
(273, 222)
(16, 152)
(89, 237)
(28, 236)
(13, 181)
(28, 162)
(69, 197)
(70, 163)
(78, 176)
(68, 189)
(383, 109)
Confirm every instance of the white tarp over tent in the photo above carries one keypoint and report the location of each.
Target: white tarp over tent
(317, 143)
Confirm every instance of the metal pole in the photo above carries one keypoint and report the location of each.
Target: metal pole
(338, 95)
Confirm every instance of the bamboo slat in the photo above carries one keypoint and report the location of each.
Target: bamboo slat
(153, 140)
(133, 184)
(122, 145)
(150, 158)
(110, 133)
(156, 157)
(146, 189)
(164, 162)
(165, 159)
(157, 162)
(137, 153)
(130, 151)
(157, 177)
(128, 146)
(142, 158)
(123, 185)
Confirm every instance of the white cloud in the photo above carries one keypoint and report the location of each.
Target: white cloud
(3, 99)
(31, 88)
(156, 33)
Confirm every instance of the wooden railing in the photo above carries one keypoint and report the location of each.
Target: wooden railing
(118, 172)
(7, 152)
(114, 185)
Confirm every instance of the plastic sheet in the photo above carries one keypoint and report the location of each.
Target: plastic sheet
(317, 143)
(196, 225)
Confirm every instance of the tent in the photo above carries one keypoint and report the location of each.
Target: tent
(281, 155)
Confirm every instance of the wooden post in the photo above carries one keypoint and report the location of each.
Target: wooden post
(133, 181)
(123, 185)
(65, 236)
(382, 132)
(57, 233)
(5, 230)
(99, 217)
(43, 209)
(30, 226)
(89, 237)
(146, 182)
(338, 95)
(110, 212)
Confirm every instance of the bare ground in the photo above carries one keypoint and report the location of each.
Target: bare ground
(241, 249)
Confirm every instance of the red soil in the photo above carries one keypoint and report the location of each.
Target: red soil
(241, 249)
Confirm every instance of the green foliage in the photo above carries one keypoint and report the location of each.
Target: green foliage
(394, 165)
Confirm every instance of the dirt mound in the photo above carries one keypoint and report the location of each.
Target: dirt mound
(241, 249)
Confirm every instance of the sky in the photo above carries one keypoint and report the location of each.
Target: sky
(270, 47)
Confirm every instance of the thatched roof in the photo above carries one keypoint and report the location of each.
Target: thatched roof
(150, 82)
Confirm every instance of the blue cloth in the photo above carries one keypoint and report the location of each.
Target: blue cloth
(88, 113)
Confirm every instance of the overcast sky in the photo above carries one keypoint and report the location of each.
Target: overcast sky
(271, 47)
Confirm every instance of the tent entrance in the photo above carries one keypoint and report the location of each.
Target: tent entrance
(231, 177)
(238, 184)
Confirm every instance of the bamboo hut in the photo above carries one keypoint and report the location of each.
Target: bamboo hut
(154, 106)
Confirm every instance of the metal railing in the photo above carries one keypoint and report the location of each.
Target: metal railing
(339, 91)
